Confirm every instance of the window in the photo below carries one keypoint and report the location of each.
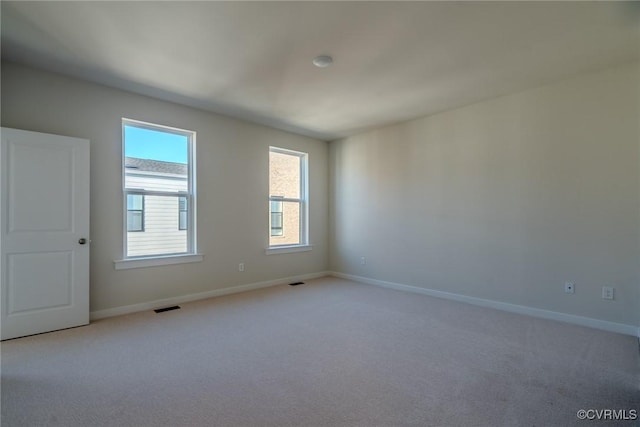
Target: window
(287, 198)
(182, 213)
(135, 212)
(276, 218)
(158, 181)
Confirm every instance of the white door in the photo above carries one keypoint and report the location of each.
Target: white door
(44, 242)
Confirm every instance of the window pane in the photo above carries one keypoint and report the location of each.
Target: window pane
(134, 220)
(162, 233)
(134, 202)
(153, 158)
(290, 221)
(156, 160)
(276, 224)
(182, 213)
(284, 175)
(182, 220)
(276, 218)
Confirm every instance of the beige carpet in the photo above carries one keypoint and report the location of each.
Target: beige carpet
(327, 353)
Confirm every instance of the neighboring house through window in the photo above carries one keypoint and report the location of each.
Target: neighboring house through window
(276, 218)
(158, 190)
(288, 204)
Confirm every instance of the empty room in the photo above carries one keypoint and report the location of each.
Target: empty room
(320, 213)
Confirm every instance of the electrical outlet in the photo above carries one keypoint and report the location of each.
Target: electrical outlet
(241, 266)
(569, 287)
(607, 292)
(363, 260)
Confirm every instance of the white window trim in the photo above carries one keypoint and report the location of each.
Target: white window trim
(304, 206)
(192, 254)
(155, 261)
(288, 249)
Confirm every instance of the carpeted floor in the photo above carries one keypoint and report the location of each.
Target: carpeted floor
(327, 353)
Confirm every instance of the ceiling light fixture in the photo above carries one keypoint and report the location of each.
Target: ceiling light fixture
(322, 61)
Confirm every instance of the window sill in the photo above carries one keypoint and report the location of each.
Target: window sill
(124, 264)
(287, 249)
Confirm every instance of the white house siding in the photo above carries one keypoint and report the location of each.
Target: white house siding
(154, 181)
(161, 234)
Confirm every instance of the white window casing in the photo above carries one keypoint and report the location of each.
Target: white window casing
(289, 193)
(166, 188)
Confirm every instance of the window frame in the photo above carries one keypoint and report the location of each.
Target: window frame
(190, 255)
(303, 202)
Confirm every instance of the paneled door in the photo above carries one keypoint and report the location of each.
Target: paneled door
(44, 217)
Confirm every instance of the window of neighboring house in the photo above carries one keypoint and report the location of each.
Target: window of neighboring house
(182, 213)
(288, 204)
(135, 212)
(276, 218)
(158, 180)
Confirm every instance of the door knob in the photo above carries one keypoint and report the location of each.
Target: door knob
(82, 241)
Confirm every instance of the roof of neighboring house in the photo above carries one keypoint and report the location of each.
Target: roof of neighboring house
(146, 165)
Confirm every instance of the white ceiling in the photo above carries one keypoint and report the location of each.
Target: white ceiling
(393, 61)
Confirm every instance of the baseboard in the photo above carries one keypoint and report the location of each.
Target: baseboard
(150, 305)
(604, 325)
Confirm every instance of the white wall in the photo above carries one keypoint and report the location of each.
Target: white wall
(232, 174)
(504, 200)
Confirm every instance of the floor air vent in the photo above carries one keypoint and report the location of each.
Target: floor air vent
(162, 310)
(296, 283)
